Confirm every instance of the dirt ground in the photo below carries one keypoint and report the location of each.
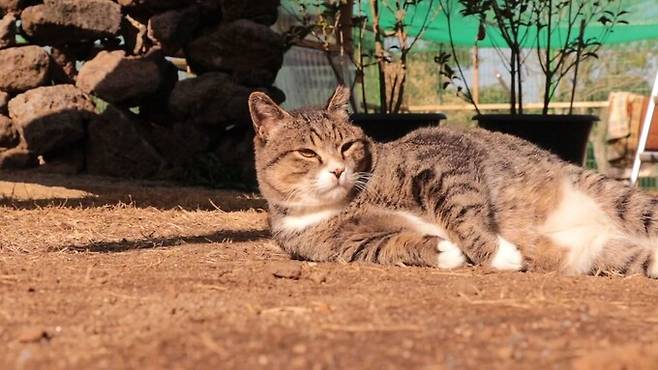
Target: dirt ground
(107, 274)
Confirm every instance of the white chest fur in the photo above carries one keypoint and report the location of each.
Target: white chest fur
(296, 223)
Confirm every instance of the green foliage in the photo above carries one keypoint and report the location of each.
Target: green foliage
(524, 24)
(101, 105)
(619, 68)
(493, 94)
(380, 46)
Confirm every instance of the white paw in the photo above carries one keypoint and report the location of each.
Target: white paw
(450, 256)
(507, 256)
(652, 270)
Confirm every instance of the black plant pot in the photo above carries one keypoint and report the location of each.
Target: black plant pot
(391, 126)
(563, 135)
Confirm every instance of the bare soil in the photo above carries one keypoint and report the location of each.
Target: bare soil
(107, 274)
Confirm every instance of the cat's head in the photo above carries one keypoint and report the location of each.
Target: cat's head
(309, 157)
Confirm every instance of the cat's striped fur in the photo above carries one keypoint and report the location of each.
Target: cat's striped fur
(335, 195)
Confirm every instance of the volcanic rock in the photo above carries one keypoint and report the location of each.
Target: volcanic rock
(171, 30)
(259, 11)
(115, 147)
(252, 53)
(7, 31)
(9, 136)
(117, 78)
(23, 68)
(4, 102)
(212, 99)
(17, 158)
(65, 21)
(52, 117)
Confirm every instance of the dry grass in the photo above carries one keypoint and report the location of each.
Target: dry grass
(56, 213)
(120, 227)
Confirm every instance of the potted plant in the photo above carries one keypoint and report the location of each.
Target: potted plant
(382, 42)
(563, 34)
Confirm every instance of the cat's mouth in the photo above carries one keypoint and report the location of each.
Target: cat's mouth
(337, 192)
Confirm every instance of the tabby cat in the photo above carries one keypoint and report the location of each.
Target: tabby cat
(441, 197)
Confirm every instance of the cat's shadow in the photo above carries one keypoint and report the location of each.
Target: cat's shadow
(223, 236)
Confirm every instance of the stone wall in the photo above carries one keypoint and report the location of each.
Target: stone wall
(85, 85)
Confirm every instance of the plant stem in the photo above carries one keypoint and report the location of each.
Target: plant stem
(512, 93)
(519, 80)
(400, 96)
(575, 68)
(360, 70)
(447, 12)
(548, 73)
(379, 55)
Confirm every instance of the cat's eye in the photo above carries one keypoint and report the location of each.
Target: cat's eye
(307, 153)
(345, 147)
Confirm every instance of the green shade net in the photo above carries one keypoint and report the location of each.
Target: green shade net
(642, 18)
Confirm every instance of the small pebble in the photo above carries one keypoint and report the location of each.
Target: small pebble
(32, 334)
(293, 272)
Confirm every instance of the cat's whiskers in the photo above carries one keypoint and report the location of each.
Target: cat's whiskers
(290, 195)
(360, 180)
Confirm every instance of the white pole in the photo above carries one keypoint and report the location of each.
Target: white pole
(644, 135)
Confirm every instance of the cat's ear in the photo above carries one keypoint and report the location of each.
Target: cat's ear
(339, 101)
(265, 114)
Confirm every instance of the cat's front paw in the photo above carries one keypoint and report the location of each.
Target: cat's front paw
(507, 257)
(450, 256)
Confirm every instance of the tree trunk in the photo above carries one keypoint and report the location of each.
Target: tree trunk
(379, 54)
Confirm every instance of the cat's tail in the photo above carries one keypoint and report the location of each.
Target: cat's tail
(633, 213)
(633, 210)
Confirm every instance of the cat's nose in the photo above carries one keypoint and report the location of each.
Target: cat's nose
(338, 171)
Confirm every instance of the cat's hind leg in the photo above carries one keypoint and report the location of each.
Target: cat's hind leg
(625, 256)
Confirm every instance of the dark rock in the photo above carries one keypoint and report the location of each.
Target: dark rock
(63, 66)
(187, 140)
(212, 99)
(80, 50)
(260, 11)
(155, 5)
(142, 10)
(171, 30)
(68, 161)
(17, 158)
(8, 31)
(155, 108)
(9, 136)
(63, 21)
(211, 12)
(23, 68)
(118, 78)
(4, 102)
(252, 53)
(234, 148)
(51, 118)
(134, 32)
(115, 147)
